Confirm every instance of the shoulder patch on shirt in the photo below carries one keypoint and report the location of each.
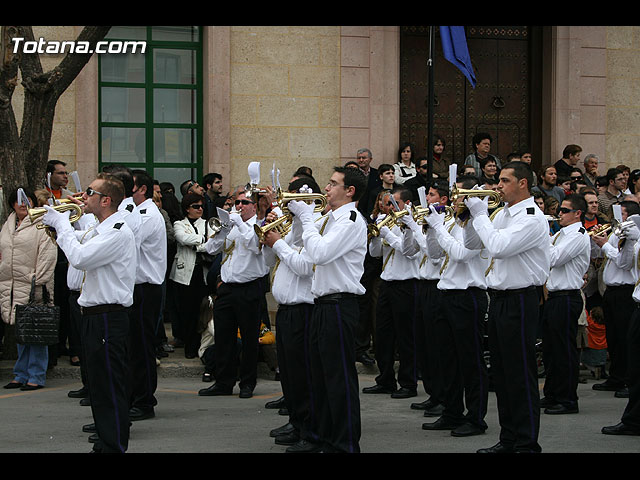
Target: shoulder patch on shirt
(118, 225)
(143, 211)
(353, 216)
(582, 230)
(531, 210)
(129, 207)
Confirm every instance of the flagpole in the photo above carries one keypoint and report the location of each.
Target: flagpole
(430, 101)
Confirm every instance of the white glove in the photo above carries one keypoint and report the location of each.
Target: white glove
(408, 220)
(384, 231)
(302, 210)
(55, 219)
(236, 219)
(477, 206)
(434, 218)
(631, 233)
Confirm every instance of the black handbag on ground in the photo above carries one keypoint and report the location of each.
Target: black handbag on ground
(37, 323)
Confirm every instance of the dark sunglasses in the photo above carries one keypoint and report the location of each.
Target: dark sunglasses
(91, 192)
(196, 206)
(243, 202)
(566, 210)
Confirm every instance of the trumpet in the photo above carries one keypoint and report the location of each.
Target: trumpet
(215, 225)
(36, 213)
(420, 213)
(390, 220)
(604, 228)
(283, 224)
(495, 200)
(253, 192)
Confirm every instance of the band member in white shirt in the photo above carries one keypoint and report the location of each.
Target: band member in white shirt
(630, 421)
(338, 251)
(570, 256)
(460, 329)
(518, 243)
(238, 302)
(291, 289)
(617, 305)
(107, 255)
(429, 265)
(397, 310)
(151, 241)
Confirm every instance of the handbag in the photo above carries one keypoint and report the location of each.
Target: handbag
(37, 323)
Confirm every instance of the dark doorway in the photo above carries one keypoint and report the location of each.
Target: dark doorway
(506, 101)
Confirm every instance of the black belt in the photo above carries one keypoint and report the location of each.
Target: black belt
(334, 297)
(460, 291)
(559, 293)
(295, 306)
(628, 286)
(504, 293)
(98, 309)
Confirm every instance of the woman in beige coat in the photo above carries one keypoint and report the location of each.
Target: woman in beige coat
(25, 252)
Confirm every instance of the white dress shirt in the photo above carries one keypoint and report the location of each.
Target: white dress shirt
(338, 253)
(108, 257)
(152, 244)
(463, 267)
(429, 262)
(617, 267)
(518, 243)
(570, 256)
(126, 207)
(243, 260)
(635, 270)
(395, 264)
(292, 272)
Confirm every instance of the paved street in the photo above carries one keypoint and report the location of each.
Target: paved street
(48, 421)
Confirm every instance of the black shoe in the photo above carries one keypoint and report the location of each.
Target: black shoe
(404, 393)
(622, 393)
(284, 411)
(546, 402)
(274, 404)
(304, 446)
(82, 393)
(283, 430)
(497, 448)
(366, 360)
(607, 386)
(136, 414)
(426, 405)
(93, 438)
(85, 402)
(246, 392)
(288, 439)
(378, 389)
(620, 429)
(434, 411)
(12, 385)
(26, 386)
(207, 377)
(560, 409)
(215, 389)
(441, 424)
(467, 430)
(89, 428)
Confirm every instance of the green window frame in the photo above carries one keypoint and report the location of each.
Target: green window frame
(150, 106)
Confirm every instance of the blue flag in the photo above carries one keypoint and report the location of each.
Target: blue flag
(454, 48)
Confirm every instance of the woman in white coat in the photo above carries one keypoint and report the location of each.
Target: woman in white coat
(189, 270)
(25, 253)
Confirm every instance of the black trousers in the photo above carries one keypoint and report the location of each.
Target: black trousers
(513, 321)
(631, 415)
(76, 324)
(560, 350)
(104, 345)
(370, 280)
(188, 299)
(334, 378)
(292, 344)
(428, 349)
(143, 373)
(460, 334)
(397, 329)
(237, 306)
(617, 306)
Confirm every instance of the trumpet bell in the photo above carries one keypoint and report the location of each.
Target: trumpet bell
(35, 214)
(282, 225)
(215, 225)
(495, 200)
(284, 198)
